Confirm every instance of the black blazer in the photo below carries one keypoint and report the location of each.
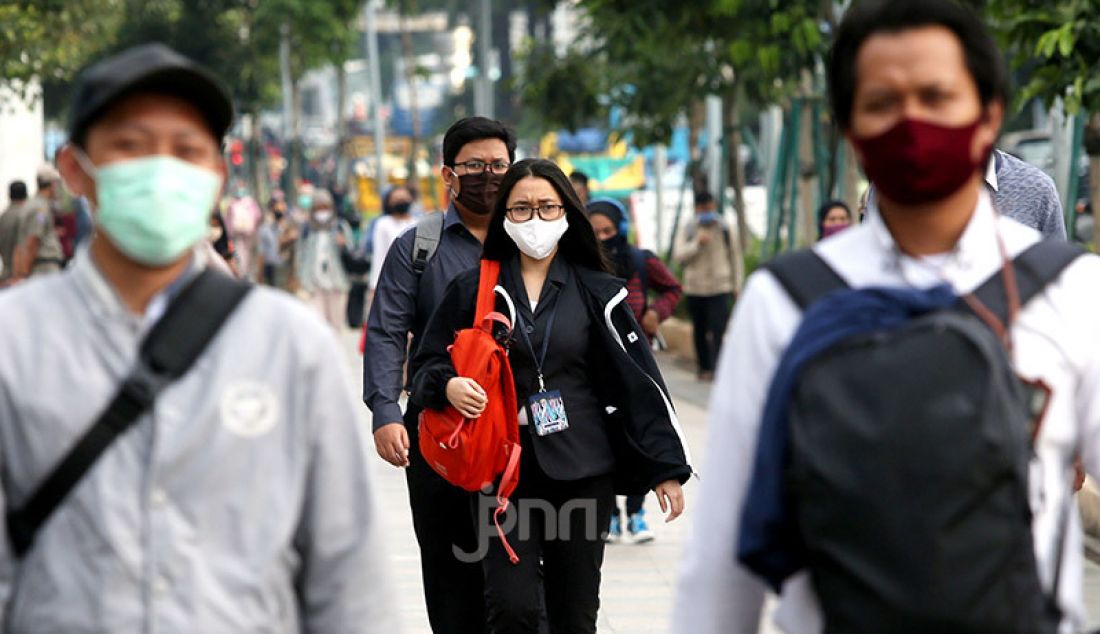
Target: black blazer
(641, 425)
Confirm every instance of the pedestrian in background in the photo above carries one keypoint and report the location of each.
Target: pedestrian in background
(644, 273)
(832, 218)
(39, 251)
(579, 180)
(705, 249)
(11, 221)
(396, 219)
(242, 220)
(477, 152)
(576, 356)
(320, 270)
(238, 500)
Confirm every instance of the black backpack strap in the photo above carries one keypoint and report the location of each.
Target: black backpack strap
(805, 276)
(426, 237)
(1038, 266)
(167, 353)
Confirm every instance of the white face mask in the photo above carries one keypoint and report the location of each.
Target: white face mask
(322, 216)
(537, 238)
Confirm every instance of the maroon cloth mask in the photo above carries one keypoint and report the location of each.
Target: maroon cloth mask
(828, 232)
(917, 162)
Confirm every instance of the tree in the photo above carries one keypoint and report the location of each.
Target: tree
(51, 40)
(657, 60)
(1059, 42)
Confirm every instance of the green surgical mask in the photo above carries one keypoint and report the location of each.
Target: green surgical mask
(153, 209)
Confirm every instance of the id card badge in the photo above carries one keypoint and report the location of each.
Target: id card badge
(548, 413)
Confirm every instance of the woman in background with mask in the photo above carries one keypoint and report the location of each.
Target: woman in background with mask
(643, 272)
(320, 270)
(832, 218)
(595, 416)
(397, 210)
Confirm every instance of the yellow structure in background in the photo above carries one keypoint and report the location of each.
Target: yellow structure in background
(614, 173)
(395, 162)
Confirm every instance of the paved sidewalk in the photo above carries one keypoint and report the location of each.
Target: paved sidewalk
(638, 580)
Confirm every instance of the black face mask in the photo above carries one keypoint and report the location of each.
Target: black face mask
(618, 251)
(479, 192)
(399, 209)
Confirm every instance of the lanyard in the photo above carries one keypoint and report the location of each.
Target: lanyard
(540, 358)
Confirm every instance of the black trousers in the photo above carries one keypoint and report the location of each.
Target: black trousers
(357, 301)
(561, 524)
(443, 522)
(709, 316)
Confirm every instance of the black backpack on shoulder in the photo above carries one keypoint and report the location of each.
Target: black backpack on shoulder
(908, 471)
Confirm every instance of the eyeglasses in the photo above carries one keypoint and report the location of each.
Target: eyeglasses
(523, 213)
(479, 167)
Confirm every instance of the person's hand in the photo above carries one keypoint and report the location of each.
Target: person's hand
(467, 396)
(1078, 475)
(392, 443)
(670, 495)
(651, 322)
(341, 241)
(704, 238)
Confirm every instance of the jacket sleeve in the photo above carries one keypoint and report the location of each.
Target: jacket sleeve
(385, 350)
(342, 584)
(433, 357)
(665, 283)
(653, 422)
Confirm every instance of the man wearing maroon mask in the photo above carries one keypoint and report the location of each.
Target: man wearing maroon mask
(918, 89)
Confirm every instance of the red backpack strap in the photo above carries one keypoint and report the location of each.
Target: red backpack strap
(508, 482)
(486, 300)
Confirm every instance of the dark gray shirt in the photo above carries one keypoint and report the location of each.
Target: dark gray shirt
(403, 302)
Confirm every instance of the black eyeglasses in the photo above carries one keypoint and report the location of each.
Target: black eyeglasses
(523, 213)
(479, 167)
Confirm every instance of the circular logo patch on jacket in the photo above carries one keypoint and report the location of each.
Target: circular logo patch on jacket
(249, 409)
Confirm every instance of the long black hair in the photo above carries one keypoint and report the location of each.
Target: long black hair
(578, 246)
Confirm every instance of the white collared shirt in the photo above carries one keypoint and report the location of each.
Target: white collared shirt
(1056, 340)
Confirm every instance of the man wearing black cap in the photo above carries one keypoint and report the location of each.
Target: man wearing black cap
(239, 501)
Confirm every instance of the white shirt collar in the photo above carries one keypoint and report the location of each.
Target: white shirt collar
(977, 242)
(991, 172)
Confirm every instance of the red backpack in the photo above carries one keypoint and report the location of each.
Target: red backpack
(471, 453)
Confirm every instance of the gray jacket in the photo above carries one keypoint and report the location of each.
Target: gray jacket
(240, 503)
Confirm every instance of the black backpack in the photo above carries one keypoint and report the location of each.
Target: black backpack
(908, 471)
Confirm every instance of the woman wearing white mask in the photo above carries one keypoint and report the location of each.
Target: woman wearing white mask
(595, 416)
(320, 270)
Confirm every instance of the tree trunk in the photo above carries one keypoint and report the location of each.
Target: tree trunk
(295, 145)
(696, 121)
(256, 157)
(502, 27)
(853, 195)
(1091, 141)
(732, 125)
(341, 104)
(807, 187)
(414, 106)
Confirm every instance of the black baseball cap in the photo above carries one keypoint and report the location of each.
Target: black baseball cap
(148, 68)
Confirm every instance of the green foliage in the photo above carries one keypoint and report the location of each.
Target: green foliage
(51, 39)
(653, 58)
(237, 39)
(1060, 41)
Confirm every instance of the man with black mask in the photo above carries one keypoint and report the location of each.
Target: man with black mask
(643, 272)
(477, 152)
